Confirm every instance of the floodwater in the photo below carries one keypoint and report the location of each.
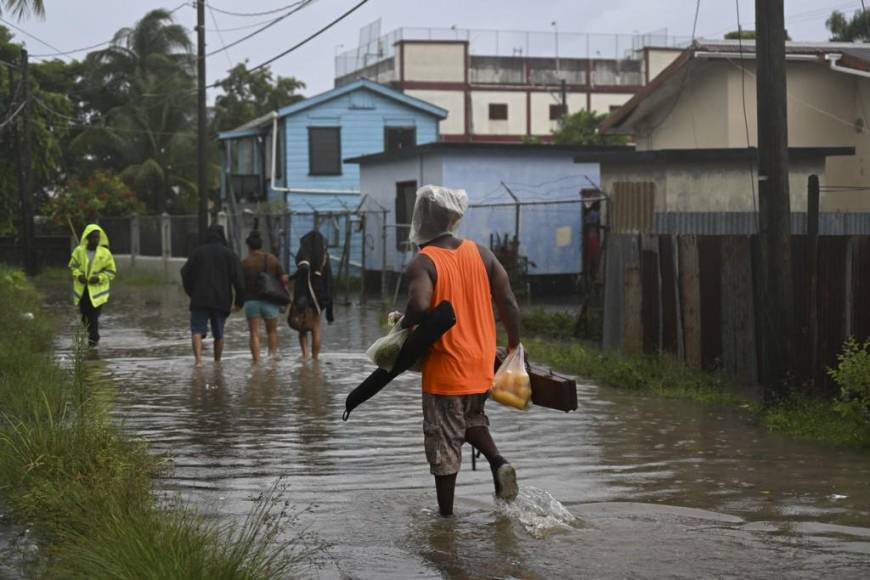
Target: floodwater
(627, 486)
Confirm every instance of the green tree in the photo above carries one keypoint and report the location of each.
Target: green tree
(844, 29)
(142, 93)
(21, 8)
(250, 94)
(581, 128)
(49, 133)
(81, 202)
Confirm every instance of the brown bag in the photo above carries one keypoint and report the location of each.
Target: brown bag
(296, 318)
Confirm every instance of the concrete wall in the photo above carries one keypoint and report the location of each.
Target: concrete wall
(437, 61)
(601, 102)
(825, 108)
(378, 181)
(657, 60)
(550, 236)
(541, 123)
(453, 101)
(707, 186)
(515, 124)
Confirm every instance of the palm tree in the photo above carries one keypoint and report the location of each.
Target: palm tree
(146, 96)
(845, 29)
(21, 7)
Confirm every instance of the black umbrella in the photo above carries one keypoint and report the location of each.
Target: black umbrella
(438, 321)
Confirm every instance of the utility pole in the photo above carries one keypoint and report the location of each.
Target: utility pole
(201, 128)
(25, 170)
(564, 98)
(777, 308)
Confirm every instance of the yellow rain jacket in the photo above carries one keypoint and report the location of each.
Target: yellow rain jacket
(102, 266)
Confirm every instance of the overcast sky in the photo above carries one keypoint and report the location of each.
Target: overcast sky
(71, 24)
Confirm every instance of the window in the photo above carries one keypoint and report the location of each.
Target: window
(498, 112)
(557, 112)
(324, 151)
(406, 195)
(396, 138)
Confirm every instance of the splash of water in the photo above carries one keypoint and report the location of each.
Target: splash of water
(537, 511)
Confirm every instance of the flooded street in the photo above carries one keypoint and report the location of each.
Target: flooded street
(626, 487)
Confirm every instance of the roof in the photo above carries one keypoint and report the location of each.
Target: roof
(717, 154)
(442, 146)
(256, 126)
(665, 87)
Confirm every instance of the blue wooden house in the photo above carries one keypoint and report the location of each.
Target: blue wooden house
(294, 157)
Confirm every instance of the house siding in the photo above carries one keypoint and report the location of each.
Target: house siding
(362, 116)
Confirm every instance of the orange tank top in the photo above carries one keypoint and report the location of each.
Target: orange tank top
(461, 361)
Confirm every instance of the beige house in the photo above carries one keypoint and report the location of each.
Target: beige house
(705, 100)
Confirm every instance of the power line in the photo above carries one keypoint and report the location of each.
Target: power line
(15, 113)
(34, 37)
(92, 46)
(271, 23)
(220, 35)
(72, 121)
(313, 36)
(263, 13)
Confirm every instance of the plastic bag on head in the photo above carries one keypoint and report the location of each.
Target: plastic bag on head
(437, 211)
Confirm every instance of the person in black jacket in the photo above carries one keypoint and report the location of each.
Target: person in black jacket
(212, 277)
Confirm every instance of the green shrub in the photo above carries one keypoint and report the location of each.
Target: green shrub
(852, 375)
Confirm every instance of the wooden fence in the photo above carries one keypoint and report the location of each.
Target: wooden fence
(696, 298)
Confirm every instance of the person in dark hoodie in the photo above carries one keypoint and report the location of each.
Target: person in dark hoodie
(212, 277)
(311, 291)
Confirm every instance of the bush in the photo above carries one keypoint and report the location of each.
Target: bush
(103, 194)
(852, 375)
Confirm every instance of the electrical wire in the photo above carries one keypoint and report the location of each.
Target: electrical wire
(263, 13)
(93, 46)
(33, 36)
(313, 36)
(220, 35)
(11, 117)
(263, 28)
(72, 121)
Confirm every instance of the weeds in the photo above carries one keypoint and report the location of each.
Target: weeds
(66, 472)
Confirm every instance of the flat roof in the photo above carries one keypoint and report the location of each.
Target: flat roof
(441, 146)
(717, 154)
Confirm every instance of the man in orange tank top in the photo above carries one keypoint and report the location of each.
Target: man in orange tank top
(458, 371)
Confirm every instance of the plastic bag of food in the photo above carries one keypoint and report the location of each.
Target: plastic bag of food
(385, 350)
(511, 385)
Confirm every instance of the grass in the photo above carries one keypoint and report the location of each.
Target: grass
(799, 417)
(86, 491)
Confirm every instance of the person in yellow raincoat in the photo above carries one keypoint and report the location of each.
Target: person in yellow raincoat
(93, 268)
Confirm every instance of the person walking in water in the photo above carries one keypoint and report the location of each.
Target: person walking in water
(93, 269)
(311, 291)
(459, 369)
(257, 309)
(212, 278)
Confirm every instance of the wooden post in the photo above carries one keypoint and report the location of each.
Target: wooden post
(25, 170)
(774, 203)
(201, 123)
(813, 272)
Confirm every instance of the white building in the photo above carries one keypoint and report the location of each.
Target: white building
(509, 86)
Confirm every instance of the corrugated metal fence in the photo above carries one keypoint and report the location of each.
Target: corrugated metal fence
(746, 223)
(696, 298)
